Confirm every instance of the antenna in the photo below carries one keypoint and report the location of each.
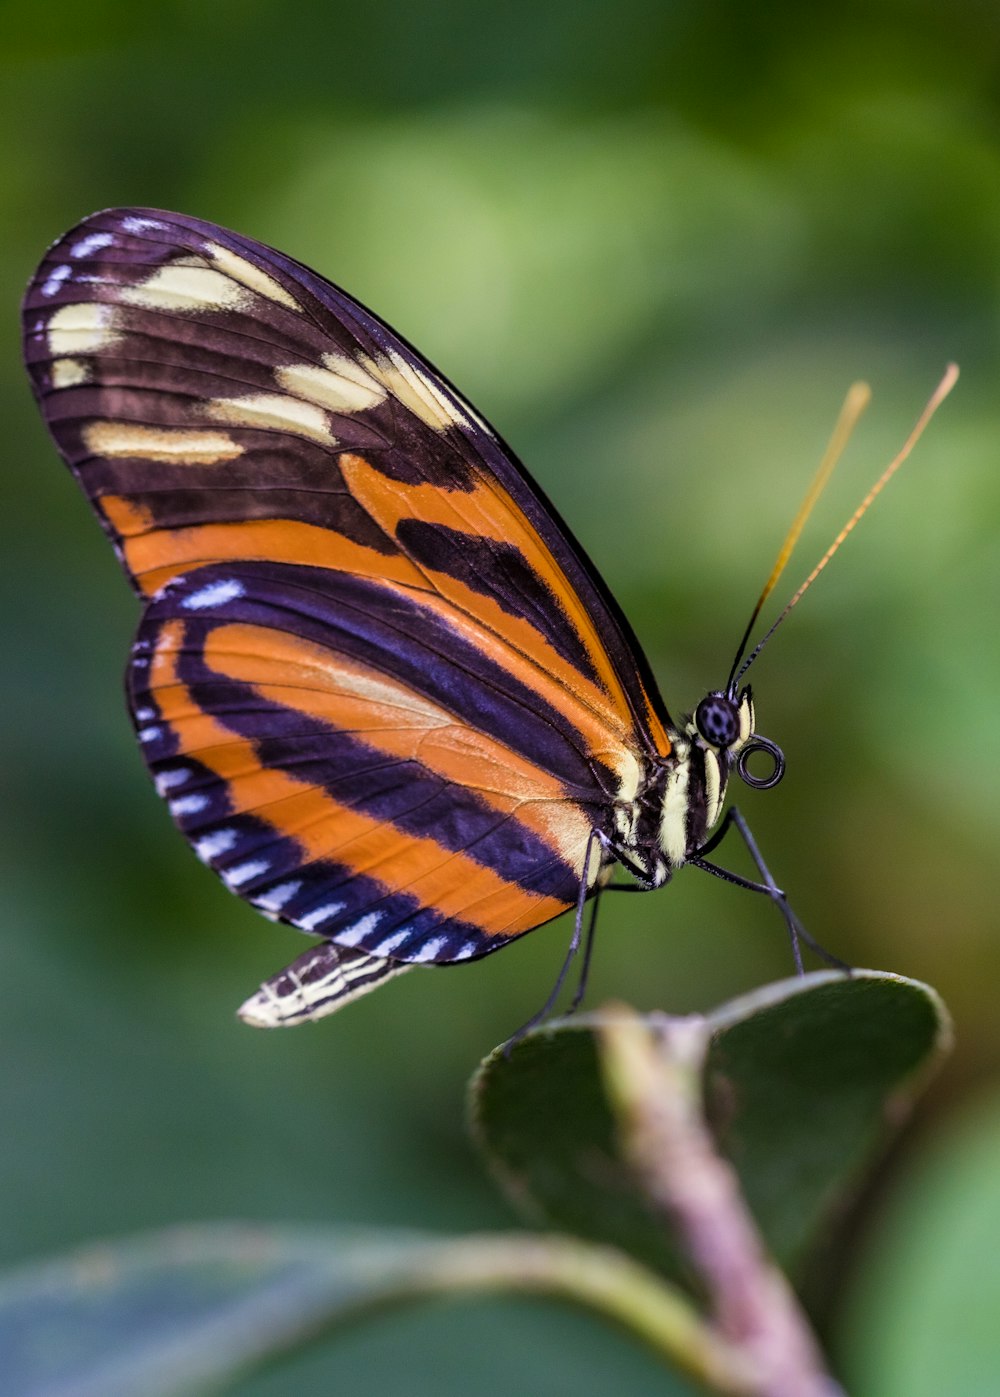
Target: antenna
(858, 398)
(936, 399)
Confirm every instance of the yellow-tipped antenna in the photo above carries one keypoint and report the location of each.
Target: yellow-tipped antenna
(858, 398)
(936, 399)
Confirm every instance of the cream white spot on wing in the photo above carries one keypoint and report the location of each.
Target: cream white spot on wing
(315, 986)
(149, 734)
(629, 775)
(464, 951)
(220, 841)
(82, 328)
(93, 242)
(188, 805)
(250, 275)
(55, 279)
(339, 385)
(567, 826)
(68, 373)
(312, 919)
(382, 692)
(429, 949)
(242, 873)
(273, 412)
(187, 285)
(363, 927)
(145, 715)
(275, 898)
(215, 594)
(170, 778)
(143, 225)
(389, 944)
(264, 1010)
(415, 390)
(171, 446)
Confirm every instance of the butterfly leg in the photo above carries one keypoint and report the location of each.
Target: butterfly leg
(588, 949)
(796, 931)
(595, 838)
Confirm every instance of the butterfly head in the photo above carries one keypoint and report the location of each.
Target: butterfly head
(723, 727)
(716, 740)
(720, 739)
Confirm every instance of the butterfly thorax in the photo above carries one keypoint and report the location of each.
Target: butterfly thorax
(681, 797)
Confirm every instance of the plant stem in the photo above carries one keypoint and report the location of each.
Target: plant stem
(654, 1082)
(602, 1278)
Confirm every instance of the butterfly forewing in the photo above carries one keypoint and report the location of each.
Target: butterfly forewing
(380, 687)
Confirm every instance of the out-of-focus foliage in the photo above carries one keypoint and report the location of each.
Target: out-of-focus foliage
(191, 1309)
(654, 243)
(921, 1318)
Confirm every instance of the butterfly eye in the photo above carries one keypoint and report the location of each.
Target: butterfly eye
(717, 719)
(761, 783)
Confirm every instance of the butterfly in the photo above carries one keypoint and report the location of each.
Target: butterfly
(384, 693)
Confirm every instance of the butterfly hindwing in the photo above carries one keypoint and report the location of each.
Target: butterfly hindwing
(379, 685)
(302, 735)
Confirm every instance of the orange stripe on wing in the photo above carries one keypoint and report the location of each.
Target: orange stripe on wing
(443, 881)
(397, 720)
(125, 515)
(155, 554)
(487, 512)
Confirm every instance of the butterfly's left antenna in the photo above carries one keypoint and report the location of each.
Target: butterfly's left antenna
(858, 398)
(842, 431)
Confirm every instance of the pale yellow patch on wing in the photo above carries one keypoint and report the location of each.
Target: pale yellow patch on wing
(250, 276)
(187, 284)
(170, 446)
(628, 770)
(68, 373)
(291, 997)
(415, 391)
(82, 328)
(340, 385)
(274, 412)
(354, 681)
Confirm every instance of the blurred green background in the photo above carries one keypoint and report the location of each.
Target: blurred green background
(654, 243)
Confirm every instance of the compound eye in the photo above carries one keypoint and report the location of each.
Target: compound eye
(718, 720)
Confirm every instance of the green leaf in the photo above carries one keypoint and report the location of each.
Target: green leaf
(804, 1080)
(175, 1311)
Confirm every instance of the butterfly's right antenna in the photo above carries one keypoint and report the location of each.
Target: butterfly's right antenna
(936, 399)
